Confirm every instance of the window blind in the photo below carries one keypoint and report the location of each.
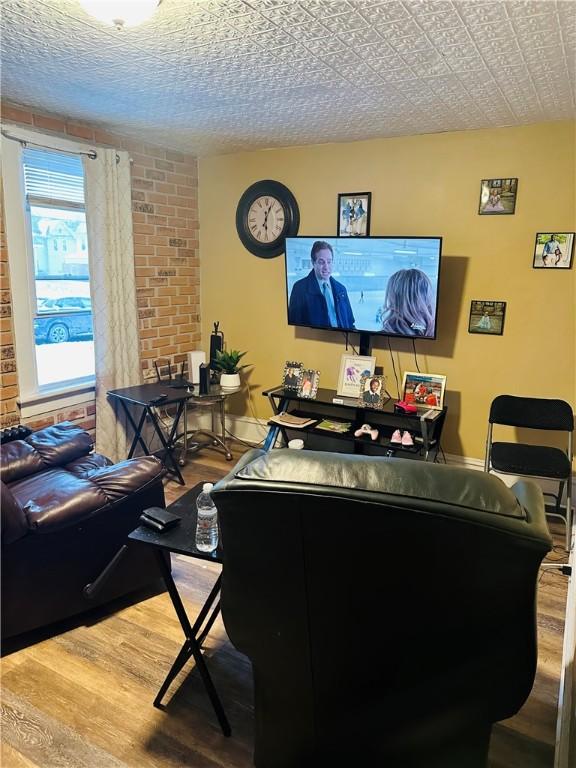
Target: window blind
(53, 176)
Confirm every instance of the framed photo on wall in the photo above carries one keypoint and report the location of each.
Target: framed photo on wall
(309, 383)
(352, 368)
(553, 250)
(487, 317)
(373, 392)
(497, 196)
(292, 376)
(424, 390)
(354, 214)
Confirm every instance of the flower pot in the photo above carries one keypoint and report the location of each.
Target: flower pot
(230, 380)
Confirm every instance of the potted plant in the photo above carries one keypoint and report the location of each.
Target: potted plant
(227, 363)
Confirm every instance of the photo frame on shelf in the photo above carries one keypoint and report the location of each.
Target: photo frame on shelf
(354, 214)
(292, 376)
(487, 317)
(424, 390)
(309, 383)
(373, 392)
(497, 196)
(352, 368)
(553, 249)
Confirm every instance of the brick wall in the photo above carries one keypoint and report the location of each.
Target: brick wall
(165, 216)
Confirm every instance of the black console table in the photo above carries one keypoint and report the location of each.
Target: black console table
(181, 540)
(425, 426)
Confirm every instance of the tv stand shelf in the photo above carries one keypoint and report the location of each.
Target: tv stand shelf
(424, 426)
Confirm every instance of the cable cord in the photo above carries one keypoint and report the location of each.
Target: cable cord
(415, 356)
(262, 424)
(239, 440)
(394, 368)
(349, 344)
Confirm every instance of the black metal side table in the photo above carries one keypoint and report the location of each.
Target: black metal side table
(148, 397)
(181, 540)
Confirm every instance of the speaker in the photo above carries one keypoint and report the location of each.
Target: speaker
(204, 379)
(195, 360)
(216, 345)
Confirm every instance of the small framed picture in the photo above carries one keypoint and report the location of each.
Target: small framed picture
(498, 196)
(309, 383)
(352, 368)
(424, 390)
(373, 392)
(292, 376)
(553, 250)
(354, 214)
(487, 317)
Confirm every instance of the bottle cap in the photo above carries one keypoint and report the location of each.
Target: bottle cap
(207, 487)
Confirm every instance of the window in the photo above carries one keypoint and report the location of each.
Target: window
(50, 274)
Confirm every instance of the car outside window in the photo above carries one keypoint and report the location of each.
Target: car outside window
(62, 321)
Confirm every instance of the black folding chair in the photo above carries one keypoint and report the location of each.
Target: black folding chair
(542, 461)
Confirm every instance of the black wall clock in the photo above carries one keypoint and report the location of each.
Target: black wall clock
(267, 214)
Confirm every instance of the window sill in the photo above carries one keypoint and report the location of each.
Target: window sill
(53, 400)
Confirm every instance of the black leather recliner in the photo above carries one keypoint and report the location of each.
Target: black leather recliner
(65, 513)
(387, 606)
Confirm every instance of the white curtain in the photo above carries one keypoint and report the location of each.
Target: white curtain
(113, 288)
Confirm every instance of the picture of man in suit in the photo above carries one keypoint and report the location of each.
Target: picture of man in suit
(371, 396)
(318, 299)
(292, 378)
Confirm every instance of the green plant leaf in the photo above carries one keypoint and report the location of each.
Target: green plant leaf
(227, 361)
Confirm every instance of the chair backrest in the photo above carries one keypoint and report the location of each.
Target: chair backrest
(532, 413)
(321, 549)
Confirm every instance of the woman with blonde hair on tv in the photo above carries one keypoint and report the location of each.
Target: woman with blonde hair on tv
(409, 307)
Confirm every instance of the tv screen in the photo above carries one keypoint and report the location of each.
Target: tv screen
(374, 285)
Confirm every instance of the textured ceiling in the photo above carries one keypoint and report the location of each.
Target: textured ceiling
(211, 76)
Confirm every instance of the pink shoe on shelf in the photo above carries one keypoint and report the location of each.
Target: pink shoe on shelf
(396, 437)
(407, 440)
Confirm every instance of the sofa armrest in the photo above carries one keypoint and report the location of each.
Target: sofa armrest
(50, 447)
(14, 523)
(127, 477)
(85, 466)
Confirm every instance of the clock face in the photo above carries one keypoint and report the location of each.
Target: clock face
(267, 213)
(266, 219)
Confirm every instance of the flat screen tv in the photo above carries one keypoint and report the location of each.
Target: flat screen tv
(371, 285)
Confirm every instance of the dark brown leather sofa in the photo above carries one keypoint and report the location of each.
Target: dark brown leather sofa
(387, 606)
(65, 513)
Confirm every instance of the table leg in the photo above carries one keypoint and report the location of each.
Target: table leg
(168, 445)
(191, 645)
(274, 430)
(204, 612)
(184, 453)
(137, 430)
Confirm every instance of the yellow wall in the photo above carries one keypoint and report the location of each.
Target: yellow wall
(421, 185)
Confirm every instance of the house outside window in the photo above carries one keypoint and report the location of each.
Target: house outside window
(50, 276)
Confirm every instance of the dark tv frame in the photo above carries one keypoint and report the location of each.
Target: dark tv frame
(365, 334)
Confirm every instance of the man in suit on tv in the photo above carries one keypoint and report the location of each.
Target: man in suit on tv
(318, 299)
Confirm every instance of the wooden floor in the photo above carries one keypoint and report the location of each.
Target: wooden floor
(83, 698)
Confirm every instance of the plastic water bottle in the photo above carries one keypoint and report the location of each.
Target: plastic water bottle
(207, 521)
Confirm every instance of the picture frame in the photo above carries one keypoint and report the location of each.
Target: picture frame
(373, 392)
(309, 383)
(424, 390)
(553, 249)
(354, 210)
(497, 197)
(292, 376)
(487, 317)
(352, 368)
